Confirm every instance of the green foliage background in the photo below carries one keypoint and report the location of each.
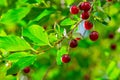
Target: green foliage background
(28, 30)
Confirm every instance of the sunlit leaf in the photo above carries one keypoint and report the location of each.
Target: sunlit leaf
(37, 34)
(13, 43)
(67, 22)
(14, 15)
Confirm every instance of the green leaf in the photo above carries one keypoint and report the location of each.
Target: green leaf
(102, 17)
(69, 2)
(2, 32)
(52, 37)
(59, 54)
(115, 74)
(14, 15)
(37, 34)
(17, 55)
(67, 22)
(39, 1)
(3, 3)
(111, 67)
(13, 43)
(20, 64)
(43, 14)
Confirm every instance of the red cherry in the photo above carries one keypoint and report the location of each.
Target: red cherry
(73, 43)
(74, 9)
(88, 25)
(65, 58)
(77, 39)
(85, 15)
(85, 6)
(26, 70)
(94, 35)
(111, 36)
(113, 46)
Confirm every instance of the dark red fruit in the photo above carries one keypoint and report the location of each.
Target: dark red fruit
(85, 15)
(26, 70)
(85, 6)
(66, 58)
(88, 25)
(111, 36)
(74, 10)
(113, 46)
(94, 35)
(73, 43)
(77, 39)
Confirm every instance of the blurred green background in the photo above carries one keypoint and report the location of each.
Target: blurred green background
(89, 61)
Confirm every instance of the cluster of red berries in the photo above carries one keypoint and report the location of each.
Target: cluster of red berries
(112, 46)
(85, 6)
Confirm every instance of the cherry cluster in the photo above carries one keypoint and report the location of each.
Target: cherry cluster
(86, 8)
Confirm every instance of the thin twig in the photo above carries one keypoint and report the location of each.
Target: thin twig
(45, 76)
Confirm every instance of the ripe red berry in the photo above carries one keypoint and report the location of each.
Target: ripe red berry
(26, 70)
(77, 39)
(65, 58)
(88, 25)
(94, 35)
(85, 15)
(73, 43)
(111, 36)
(85, 6)
(74, 9)
(113, 46)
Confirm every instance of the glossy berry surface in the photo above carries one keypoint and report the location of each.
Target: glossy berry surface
(77, 39)
(66, 58)
(85, 15)
(88, 25)
(73, 43)
(74, 10)
(111, 36)
(85, 6)
(94, 35)
(113, 46)
(26, 70)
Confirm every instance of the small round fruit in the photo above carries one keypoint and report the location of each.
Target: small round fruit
(74, 9)
(94, 35)
(88, 25)
(77, 39)
(85, 15)
(111, 36)
(73, 43)
(26, 70)
(113, 46)
(65, 58)
(85, 6)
